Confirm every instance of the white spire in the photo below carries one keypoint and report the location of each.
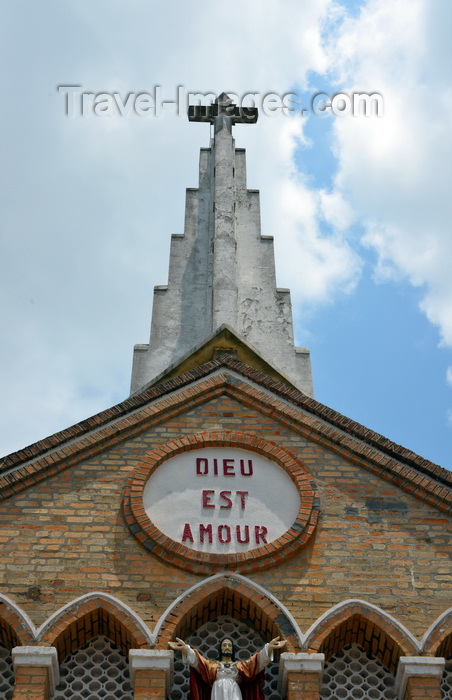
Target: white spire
(221, 270)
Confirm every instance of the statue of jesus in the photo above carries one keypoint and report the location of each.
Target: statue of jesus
(227, 679)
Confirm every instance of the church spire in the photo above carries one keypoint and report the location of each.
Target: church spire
(221, 269)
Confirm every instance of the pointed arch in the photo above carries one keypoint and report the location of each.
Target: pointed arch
(16, 628)
(233, 595)
(91, 615)
(355, 621)
(437, 641)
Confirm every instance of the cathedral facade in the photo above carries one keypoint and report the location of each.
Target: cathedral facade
(220, 499)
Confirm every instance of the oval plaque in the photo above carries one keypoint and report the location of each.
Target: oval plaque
(221, 500)
(238, 502)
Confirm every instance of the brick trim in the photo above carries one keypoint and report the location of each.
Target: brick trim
(15, 628)
(358, 622)
(227, 596)
(199, 562)
(437, 640)
(425, 481)
(84, 619)
(204, 370)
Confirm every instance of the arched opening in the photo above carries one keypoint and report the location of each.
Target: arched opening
(361, 657)
(11, 622)
(360, 630)
(227, 605)
(233, 597)
(93, 636)
(90, 616)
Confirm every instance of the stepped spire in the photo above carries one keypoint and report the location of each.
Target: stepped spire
(222, 269)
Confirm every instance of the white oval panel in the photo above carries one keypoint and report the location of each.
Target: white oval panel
(221, 500)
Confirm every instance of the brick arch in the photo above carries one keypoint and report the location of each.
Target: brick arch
(232, 596)
(438, 639)
(361, 623)
(15, 627)
(89, 616)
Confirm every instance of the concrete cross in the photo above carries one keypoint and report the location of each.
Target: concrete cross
(222, 111)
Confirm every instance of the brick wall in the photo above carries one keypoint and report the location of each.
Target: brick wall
(66, 537)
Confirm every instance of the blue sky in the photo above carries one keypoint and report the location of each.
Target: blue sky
(359, 207)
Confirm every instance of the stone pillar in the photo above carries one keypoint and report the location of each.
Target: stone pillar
(419, 677)
(300, 676)
(36, 672)
(151, 673)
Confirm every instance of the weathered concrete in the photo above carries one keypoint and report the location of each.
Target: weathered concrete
(221, 271)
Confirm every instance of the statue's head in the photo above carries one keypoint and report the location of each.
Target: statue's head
(226, 648)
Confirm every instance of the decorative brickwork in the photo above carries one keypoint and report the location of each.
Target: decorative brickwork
(203, 562)
(382, 535)
(439, 639)
(356, 624)
(14, 629)
(77, 625)
(366, 448)
(227, 597)
(9, 622)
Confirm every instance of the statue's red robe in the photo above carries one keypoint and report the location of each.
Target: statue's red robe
(202, 680)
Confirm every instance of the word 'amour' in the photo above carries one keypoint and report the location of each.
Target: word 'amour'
(224, 534)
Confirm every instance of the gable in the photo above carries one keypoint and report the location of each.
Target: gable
(67, 534)
(229, 377)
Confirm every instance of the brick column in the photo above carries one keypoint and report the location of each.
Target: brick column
(36, 672)
(419, 677)
(300, 676)
(151, 673)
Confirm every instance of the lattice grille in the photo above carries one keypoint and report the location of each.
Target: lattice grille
(206, 640)
(97, 670)
(6, 674)
(354, 674)
(446, 683)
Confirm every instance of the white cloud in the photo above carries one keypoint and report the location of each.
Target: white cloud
(449, 376)
(89, 204)
(394, 171)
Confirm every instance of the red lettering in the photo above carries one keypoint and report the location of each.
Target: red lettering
(205, 530)
(242, 495)
(187, 535)
(239, 534)
(227, 537)
(260, 533)
(225, 496)
(215, 467)
(228, 467)
(243, 471)
(201, 462)
(206, 498)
